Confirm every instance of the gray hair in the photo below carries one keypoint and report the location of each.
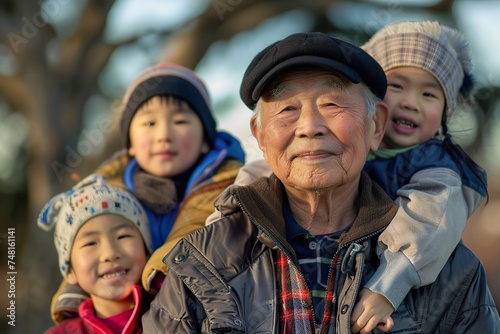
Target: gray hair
(370, 100)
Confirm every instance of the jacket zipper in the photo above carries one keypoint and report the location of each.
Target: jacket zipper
(264, 230)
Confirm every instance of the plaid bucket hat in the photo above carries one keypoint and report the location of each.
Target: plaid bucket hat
(442, 51)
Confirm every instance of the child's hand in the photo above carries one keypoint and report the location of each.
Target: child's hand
(372, 310)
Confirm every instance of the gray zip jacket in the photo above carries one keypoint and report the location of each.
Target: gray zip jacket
(222, 278)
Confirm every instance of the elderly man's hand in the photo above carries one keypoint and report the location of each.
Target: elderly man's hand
(372, 310)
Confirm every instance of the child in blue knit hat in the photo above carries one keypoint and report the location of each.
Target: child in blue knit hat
(173, 160)
(436, 185)
(103, 242)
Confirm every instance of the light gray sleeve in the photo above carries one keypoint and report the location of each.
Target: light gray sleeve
(248, 173)
(432, 214)
(252, 171)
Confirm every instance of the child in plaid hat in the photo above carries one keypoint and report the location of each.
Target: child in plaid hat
(173, 159)
(436, 185)
(103, 241)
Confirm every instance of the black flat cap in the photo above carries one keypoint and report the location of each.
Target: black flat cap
(311, 49)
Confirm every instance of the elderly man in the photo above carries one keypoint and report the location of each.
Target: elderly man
(292, 250)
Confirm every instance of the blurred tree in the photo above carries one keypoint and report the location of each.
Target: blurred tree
(51, 78)
(48, 74)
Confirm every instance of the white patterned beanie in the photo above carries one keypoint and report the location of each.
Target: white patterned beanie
(91, 197)
(440, 50)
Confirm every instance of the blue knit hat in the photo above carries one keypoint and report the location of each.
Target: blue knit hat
(440, 50)
(91, 197)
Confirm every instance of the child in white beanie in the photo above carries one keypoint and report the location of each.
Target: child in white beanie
(103, 242)
(436, 185)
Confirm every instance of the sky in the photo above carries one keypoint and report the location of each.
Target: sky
(477, 19)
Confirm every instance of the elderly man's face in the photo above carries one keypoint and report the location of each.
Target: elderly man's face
(315, 132)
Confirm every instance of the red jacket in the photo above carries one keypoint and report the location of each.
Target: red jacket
(88, 323)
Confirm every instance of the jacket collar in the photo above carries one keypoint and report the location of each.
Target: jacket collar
(376, 210)
(261, 201)
(87, 312)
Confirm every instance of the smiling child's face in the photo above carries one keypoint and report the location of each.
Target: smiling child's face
(166, 137)
(107, 259)
(416, 104)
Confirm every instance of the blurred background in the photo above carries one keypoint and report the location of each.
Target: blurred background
(64, 66)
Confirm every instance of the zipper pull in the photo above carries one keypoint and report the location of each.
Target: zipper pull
(348, 261)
